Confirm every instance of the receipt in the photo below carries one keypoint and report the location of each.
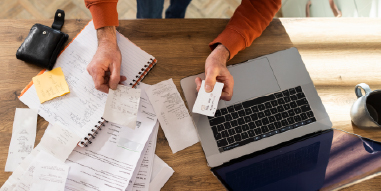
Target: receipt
(172, 115)
(49, 176)
(122, 106)
(23, 137)
(206, 103)
(59, 141)
(27, 179)
(135, 139)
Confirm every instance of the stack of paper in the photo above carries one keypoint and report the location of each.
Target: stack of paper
(108, 165)
(43, 169)
(122, 155)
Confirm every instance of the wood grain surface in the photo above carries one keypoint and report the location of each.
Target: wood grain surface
(338, 53)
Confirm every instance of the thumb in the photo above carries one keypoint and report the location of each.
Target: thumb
(210, 80)
(115, 77)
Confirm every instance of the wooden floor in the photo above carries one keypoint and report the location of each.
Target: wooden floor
(75, 9)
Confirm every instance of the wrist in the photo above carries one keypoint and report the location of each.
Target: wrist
(106, 35)
(222, 52)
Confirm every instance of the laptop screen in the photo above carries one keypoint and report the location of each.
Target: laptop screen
(323, 160)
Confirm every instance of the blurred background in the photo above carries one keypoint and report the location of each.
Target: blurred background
(75, 9)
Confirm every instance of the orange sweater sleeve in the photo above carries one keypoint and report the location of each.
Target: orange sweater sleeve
(247, 23)
(104, 12)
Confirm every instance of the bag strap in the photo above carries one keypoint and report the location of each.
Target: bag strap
(59, 19)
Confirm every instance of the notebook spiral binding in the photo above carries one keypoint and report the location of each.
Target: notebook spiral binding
(143, 72)
(91, 135)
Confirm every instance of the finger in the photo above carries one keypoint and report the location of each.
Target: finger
(198, 83)
(225, 96)
(99, 84)
(115, 76)
(210, 80)
(106, 79)
(123, 78)
(227, 91)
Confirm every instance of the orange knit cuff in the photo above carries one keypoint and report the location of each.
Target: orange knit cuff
(104, 14)
(231, 39)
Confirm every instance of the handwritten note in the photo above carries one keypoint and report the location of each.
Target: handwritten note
(173, 115)
(206, 103)
(23, 137)
(49, 176)
(39, 157)
(26, 180)
(59, 141)
(122, 106)
(50, 84)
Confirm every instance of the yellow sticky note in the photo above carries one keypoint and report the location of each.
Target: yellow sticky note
(50, 85)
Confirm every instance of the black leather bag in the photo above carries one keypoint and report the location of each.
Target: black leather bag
(43, 44)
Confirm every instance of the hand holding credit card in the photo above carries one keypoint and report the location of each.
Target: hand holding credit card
(206, 103)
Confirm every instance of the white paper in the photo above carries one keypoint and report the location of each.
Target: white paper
(22, 177)
(9, 185)
(23, 137)
(161, 173)
(59, 141)
(18, 174)
(207, 103)
(122, 106)
(49, 176)
(83, 107)
(173, 116)
(135, 140)
(103, 165)
(25, 181)
(142, 174)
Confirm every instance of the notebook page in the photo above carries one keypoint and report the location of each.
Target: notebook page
(83, 107)
(136, 59)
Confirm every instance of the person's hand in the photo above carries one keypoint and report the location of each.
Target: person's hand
(105, 65)
(215, 70)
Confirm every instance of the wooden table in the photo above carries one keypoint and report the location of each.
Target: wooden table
(338, 53)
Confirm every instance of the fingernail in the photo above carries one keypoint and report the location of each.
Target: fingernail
(224, 94)
(208, 88)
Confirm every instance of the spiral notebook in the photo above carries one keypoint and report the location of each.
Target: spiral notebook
(81, 110)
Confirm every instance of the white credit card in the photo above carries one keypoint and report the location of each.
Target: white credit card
(206, 103)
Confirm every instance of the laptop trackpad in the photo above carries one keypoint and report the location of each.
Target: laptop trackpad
(252, 79)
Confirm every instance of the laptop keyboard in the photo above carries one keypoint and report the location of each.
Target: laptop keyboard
(274, 169)
(259, 118)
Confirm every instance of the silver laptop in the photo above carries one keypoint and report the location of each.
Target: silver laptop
(274, 101)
